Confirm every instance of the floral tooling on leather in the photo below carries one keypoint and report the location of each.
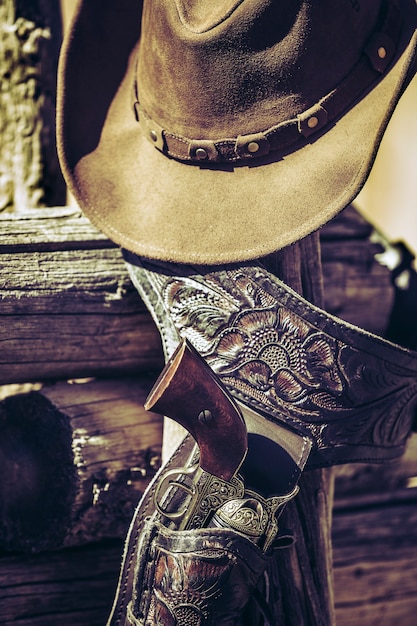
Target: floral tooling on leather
(258, 338)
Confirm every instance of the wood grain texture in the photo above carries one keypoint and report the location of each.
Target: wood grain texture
(375, 560)
(74, 461)
(30, 37)
(64, 588)
(68, 308)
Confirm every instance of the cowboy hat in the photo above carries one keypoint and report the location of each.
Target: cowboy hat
(218, 132)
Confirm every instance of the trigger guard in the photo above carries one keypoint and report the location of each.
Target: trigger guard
(191, 491)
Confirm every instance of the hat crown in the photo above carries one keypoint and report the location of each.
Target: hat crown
(202, 15)
(238, 67)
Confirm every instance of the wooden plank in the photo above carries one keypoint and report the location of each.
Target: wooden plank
(67, 282)
(366, 482)
(53, 228)
(77, 346)
(375, 560)
(375, 542)
(389, 612)
(68, 308)
(59, 588)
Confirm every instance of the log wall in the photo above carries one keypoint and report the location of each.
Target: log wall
(71, 322)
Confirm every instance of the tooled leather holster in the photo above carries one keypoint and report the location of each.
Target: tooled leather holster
(323, 390)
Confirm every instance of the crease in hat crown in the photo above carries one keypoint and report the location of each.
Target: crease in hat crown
(201, 16)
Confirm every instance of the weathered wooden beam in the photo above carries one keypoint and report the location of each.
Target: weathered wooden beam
(377, 482)
(30, 38)
(74, 461)
(375, 559)
(375, 542)
(63, 588)
(68, 308)
(51, 229)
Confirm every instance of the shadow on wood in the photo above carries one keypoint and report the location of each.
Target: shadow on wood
(75, 459)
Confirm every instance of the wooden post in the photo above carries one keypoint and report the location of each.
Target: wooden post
(300, 578)
(30, 36)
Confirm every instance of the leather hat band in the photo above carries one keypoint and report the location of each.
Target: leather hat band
(352, 392)
(375, 61)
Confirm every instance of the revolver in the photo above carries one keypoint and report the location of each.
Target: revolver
(243, 468)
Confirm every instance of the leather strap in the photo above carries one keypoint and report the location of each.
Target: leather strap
(352, 392)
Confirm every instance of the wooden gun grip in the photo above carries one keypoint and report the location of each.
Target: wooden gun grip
(189, 392)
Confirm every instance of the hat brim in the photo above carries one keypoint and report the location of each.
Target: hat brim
(164, 209)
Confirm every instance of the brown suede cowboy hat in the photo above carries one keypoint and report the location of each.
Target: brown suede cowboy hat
(221, 131)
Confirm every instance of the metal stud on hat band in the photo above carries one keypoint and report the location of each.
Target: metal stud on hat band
(375, 60)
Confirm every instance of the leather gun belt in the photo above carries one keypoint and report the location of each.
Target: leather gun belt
(353, 393)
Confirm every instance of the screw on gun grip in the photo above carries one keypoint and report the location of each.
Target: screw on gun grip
(189, 392)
